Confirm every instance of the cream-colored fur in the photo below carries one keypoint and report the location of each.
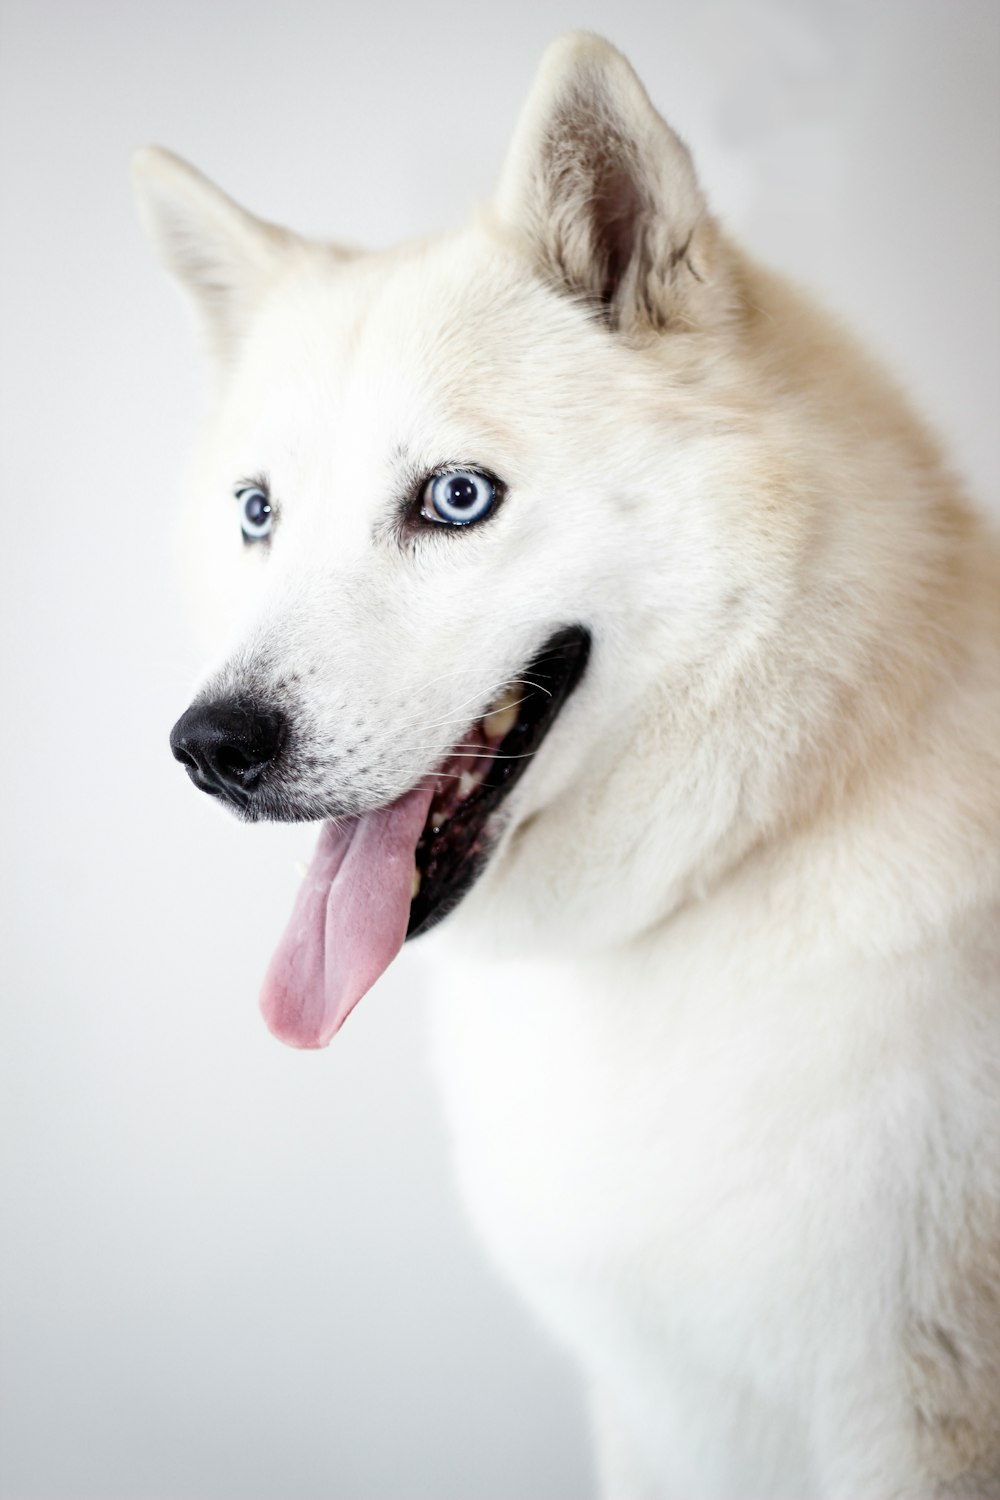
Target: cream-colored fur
(719, 1026)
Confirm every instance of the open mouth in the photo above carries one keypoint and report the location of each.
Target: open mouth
(390, 874)
(481, 770)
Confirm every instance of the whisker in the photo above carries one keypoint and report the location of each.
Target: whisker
(459, 718)
(486, 755)
(440, 723)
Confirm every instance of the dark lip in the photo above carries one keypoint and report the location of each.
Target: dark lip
(451, 860)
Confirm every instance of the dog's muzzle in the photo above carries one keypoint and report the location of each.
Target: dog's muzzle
(228, 745)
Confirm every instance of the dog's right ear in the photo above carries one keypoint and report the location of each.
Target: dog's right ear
(222, 257)
(602, 194)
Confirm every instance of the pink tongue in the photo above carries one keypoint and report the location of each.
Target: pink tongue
(348, 922)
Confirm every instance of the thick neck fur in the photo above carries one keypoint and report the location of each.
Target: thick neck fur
(833, 672)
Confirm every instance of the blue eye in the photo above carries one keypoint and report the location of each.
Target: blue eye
(458, 498)
(256, 512)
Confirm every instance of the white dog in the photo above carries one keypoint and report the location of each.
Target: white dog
(594, 584)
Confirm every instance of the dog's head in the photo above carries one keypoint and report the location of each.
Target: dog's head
(454, 497)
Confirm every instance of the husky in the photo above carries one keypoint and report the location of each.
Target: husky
(617, 620)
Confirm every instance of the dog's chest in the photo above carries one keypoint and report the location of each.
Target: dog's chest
(601, 1136)
(631, 1164)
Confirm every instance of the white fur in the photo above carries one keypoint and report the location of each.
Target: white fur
(719, 1027)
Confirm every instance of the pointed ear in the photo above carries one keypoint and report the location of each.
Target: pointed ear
(222, 257)
(604, 192)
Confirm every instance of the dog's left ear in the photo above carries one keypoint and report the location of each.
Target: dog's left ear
(604, 194)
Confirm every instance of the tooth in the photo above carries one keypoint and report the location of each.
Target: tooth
(467, 783)
(499, 722)
(415, 884)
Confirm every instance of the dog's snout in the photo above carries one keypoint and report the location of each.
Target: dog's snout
(227, 745)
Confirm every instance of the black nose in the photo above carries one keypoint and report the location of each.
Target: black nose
(226, 746)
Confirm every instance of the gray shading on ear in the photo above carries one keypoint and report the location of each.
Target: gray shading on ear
(222, 257)
(604, 192)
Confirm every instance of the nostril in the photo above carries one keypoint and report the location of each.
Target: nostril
(238, 763)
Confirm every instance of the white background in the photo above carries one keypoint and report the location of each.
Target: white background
(230, 1271)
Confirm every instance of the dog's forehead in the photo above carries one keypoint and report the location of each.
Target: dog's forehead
(435, 335)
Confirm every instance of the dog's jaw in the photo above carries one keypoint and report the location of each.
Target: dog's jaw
(394, 872)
